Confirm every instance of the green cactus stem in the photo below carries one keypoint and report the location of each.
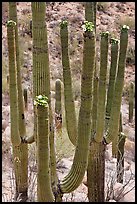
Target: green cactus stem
(131, 101)
(102, 87)
(58, 96)
(41, 76)
(23, 157)
(58, 109)
(25, 99)
(22, 127)
(40, 53)
(90, 12)
(70, 115)
(112, 131)
(76, 174)
(15, 138)
(120, 154)
(112, 77)
(19, 156)
(44, 190)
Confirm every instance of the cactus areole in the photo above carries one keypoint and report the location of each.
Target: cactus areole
(11, 23)
(41, 100)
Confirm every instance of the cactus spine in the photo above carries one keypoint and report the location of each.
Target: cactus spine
(70, 114)
(44, 191)
(131, 101)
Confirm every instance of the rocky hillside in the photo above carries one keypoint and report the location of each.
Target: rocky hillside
(110, 16)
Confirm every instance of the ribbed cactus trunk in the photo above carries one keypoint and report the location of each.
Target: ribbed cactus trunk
(131, 101)
(21, 116)
(120, 153)
(97, 149)
(70, 114)
(44, 190)
(76, 174)
(41, 76)
(96, 172)
(18, 154)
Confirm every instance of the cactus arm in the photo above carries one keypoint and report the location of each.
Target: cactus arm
(58, 96)
(13, 16)
(70, 114)
(131, 101)
(21, 117)
(102, 87)
(76, 174)
(112, 131)
(17, 147)
(44, 191)
(120, 153)
(15, 139)
(112, 77)
(58, 108)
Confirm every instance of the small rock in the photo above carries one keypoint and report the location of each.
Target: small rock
(4, 124)
(111, 200)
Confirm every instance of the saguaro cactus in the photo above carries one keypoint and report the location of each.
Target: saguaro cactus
(120, 153)
(58, 108)
(131, 101)
(18, 154)
(44, 190)
(21, 118)
(41, 76)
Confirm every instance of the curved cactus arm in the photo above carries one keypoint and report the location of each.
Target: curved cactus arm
(70, 115)
(44, 190)
(76, 174)
(112, 77)
(102, 87)
(131, 101)
(112, 131)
